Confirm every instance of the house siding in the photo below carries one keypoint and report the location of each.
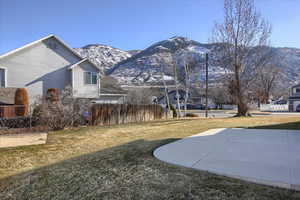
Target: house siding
(39, 67)
(79, 87)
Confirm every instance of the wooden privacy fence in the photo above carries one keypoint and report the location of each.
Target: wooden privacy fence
(108, 114)
(10, 111)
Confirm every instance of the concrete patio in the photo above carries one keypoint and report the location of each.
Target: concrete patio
(16, 140)
(270, 157)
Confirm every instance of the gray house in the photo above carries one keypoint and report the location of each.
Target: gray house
(49, 63)
(294, 99)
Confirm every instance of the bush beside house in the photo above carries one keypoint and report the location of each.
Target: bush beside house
(57, 111)
(52, 95)
(22, 102)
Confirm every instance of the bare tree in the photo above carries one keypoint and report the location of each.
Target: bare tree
(266, 80)
(242, 30)
(140, 96)
(177, 89)
(166, 91)
(219, 95)
(187, 85)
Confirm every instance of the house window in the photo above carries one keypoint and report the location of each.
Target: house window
(90, 78)
(297, 90)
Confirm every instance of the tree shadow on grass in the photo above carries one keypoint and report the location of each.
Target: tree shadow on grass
(287, 126)
(129, 171)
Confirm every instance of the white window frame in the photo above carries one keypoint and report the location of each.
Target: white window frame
(91, 78)
(5, 77)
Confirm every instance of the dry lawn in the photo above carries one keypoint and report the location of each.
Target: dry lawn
(116, 163)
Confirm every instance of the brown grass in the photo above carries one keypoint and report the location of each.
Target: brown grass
(116, 162)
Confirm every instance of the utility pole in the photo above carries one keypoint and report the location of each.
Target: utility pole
(206, 83)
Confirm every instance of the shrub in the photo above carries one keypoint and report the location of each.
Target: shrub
(37, 114)
(191, 115)
(57, 115)
(52, 95)
(21, 98)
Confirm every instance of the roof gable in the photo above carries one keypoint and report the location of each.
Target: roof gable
(46, 38)
(82, 61)
(298, 85)
(38, 41)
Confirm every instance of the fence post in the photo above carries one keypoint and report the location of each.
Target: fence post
(119, 113)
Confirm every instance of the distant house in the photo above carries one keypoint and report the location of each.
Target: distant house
(294, 99)
(172, 98)
(50, 63)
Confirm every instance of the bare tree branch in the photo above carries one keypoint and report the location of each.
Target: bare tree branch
(242, 31)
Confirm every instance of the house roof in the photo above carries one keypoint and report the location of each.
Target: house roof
(113, 95)
(25, 46)
(7, 95)
(82, 61)
(298, 85)
(76, 64)
(180, 92)
(294, 98)
(46, 38)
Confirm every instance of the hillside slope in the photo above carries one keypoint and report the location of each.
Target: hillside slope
(140, 67)
(102, 55)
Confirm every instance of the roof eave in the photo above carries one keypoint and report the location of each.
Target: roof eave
(25, 46)
(112, 94)
(43, 39)
(82, 61)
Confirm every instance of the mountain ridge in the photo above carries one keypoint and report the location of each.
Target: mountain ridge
(146, 66)
(103, 56)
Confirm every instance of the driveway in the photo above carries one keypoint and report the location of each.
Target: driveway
(228, 113)
(270, 157)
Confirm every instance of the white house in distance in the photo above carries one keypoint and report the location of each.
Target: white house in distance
(294, 99)
(49, 63)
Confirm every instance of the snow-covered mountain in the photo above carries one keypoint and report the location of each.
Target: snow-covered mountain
(133, 52)
(102, 55)
(288, 59)
(150, 65)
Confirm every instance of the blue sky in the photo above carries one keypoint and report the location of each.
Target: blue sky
(131, 24)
